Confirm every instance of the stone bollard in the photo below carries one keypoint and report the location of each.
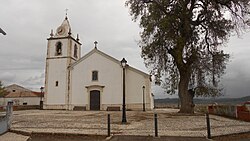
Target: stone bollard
(156, 125)
(108, 125)
(208, 126)
(9, 114)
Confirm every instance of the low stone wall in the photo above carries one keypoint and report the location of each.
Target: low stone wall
(25, 107)
(238, 112)
(243, 113)
(223, 110)
(21, 107)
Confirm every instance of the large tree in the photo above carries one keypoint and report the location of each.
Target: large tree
(181, 40)
(3, 92)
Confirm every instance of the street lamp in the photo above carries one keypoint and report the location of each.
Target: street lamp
(1, 31)
(41, 97)
(123, 64)
(143, 98)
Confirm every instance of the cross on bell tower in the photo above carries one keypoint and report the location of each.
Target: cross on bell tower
(96, 44)
(66, 13)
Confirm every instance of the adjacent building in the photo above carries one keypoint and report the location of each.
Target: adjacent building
(20, 96)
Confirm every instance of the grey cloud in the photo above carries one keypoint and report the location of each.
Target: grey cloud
(7, 77)
(34, 82)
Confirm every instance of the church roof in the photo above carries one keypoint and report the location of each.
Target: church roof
(95, 50)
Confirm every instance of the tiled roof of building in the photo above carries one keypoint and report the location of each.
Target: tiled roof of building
(15, 91)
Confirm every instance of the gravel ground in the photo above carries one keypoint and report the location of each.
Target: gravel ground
(13, 137)
(170, 123)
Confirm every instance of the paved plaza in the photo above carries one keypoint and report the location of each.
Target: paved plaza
(170, 123)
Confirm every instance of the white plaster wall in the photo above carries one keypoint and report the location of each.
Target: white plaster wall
(134, 83)
(57, 72)
(109, 76)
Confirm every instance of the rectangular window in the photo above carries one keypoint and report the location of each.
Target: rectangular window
(94, 75)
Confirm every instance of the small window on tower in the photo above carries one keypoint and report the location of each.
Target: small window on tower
(94, 75)
(75, 51)
(56, 83)
(58, 48)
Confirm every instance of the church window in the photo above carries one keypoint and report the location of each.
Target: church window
(94, 75)
(58, 48)
(56, 83)
(75, 51)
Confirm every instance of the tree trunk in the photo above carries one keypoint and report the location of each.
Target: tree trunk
(186, 96)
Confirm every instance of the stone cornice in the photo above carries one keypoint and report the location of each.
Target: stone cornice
(67, 37)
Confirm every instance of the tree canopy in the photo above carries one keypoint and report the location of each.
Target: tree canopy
(182, 39)
(3, 92)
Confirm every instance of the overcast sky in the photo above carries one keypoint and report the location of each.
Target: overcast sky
(28, 24)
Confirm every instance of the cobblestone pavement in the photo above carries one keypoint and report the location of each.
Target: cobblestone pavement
(170, 123)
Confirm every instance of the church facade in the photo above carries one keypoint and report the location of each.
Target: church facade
(93, 81)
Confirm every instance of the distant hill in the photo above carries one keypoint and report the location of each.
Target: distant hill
(232, 101)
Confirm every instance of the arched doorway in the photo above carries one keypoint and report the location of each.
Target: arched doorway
(95, 100)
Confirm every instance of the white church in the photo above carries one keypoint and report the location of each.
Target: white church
(95, 81)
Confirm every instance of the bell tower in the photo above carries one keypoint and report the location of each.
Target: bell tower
(62, 50)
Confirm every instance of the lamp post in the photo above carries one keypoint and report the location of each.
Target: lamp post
(1, 31)
(41, 97)
(143, 98)
(123, 64)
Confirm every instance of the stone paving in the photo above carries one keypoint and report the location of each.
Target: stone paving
(170, 123)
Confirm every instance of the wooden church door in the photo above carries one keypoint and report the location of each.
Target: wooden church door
(94, 100)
